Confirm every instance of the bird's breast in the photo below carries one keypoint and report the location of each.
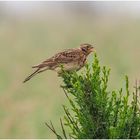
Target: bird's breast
(69, 67)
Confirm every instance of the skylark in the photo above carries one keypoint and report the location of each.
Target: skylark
(70, 60)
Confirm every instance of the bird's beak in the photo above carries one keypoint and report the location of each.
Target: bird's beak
(92, 49)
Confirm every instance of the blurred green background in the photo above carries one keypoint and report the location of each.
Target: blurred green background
(33, 31)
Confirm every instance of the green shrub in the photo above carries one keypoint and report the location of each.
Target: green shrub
(96, 112)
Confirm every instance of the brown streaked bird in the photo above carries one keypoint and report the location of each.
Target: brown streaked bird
(71, 59)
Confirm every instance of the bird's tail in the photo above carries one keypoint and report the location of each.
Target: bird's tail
(39, 70)
(30, 76)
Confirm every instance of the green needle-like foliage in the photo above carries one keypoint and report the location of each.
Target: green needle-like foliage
(96, 112)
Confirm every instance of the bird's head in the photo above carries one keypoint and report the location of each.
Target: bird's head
(87, 48)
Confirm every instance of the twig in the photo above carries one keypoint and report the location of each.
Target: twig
(71, 119)
(64, 133)
(52, 129)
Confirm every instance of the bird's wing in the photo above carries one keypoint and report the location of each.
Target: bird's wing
(67, 56)
(48, 62)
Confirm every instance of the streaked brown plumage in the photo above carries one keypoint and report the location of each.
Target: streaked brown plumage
(71, 59)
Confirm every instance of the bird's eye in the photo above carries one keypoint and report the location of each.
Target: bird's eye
(84, 49)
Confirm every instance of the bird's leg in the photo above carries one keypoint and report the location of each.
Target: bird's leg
(60, 73)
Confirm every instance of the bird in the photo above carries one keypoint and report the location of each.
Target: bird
(71, 60)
